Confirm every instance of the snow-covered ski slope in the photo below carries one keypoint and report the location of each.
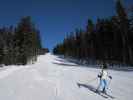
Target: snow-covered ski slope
(53, 78)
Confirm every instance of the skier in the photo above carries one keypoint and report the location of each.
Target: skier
(103, 75)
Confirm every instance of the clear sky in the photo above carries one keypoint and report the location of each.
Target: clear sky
(56, 18)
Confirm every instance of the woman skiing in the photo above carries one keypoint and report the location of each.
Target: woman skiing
(103, 75)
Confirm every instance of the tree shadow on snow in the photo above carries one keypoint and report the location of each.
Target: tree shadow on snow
(65, 59)
(64, 64)
(60, 60)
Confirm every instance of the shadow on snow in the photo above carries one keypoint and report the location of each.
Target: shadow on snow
(64, 64)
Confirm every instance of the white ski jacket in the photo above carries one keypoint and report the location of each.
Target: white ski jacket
(104, 74)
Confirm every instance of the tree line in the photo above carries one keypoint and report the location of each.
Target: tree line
(109, 39)
(21, 44)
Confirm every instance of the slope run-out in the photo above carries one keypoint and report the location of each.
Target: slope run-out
(53, 78)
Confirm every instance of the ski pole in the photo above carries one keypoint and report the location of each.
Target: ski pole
(87, 82)
(92, 80)
(109, 83)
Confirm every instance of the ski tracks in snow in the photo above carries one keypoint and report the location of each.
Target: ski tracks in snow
(53, 78)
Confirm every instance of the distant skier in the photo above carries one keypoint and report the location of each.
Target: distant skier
(103, 75)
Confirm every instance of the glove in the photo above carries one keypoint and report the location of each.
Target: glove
(110, 77)
(99, 76)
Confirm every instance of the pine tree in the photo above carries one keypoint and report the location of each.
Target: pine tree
(27, 41)
(124, 27)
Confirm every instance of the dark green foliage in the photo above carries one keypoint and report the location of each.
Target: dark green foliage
(19, 45)
(109, 39)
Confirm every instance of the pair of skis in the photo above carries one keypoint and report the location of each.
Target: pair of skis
(104, 95)
(93, 89)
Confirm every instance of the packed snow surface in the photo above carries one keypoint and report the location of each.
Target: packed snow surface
(54, 78)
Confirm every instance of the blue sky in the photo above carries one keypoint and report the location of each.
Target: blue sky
(56, 18)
